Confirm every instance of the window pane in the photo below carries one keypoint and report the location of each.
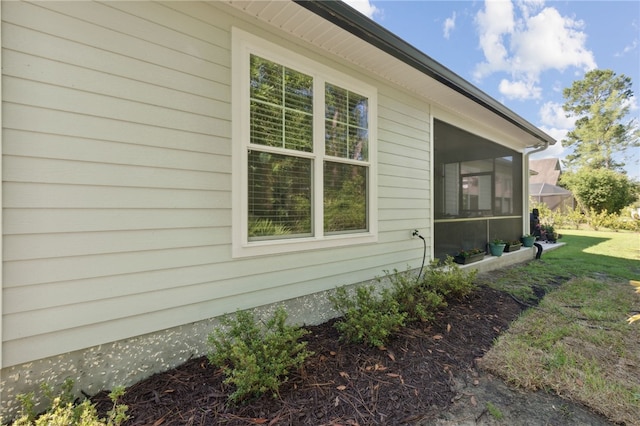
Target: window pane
(504, 186)
(335, 99)
(358, 146)
(266, 124)
(266, 80)
(346, 124)
(298, 91)
(476, 195)
(335, 139)
(281, 106)
(299, 131)
(359, 126)
(477, 166)
(345, 197)
(451, 190)
(279, 196)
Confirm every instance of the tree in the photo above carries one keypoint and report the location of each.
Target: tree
(600, 102)
(600, 189)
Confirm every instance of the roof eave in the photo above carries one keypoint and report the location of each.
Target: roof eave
(347, 18)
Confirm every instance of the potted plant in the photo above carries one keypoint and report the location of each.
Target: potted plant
(514, 245)
(528, 240)
(465, 257)
(549, 234)
(496, 247)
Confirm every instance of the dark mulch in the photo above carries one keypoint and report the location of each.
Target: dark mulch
(409, 380)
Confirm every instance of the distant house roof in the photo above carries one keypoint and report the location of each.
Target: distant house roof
(546, 189)
(547, 171)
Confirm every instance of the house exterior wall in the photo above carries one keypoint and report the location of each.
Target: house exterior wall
(117, 179)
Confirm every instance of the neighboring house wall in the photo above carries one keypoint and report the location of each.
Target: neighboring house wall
(117, 191)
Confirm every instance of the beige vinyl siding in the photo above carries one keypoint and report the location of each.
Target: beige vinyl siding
(117, 178)
(116, 174)
(1, 198)
(404, 172)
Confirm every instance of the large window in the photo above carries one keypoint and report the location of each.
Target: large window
(477, 188)
(303, 146)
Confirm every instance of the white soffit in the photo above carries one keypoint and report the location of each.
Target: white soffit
(309, 27)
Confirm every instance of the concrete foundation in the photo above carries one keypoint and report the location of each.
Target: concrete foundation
(525, 254)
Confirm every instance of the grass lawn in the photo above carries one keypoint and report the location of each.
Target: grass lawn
(577, 342)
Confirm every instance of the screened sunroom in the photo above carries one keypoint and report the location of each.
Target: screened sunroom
(477, 191)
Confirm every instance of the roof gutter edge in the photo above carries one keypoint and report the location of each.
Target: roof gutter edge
(347, 18)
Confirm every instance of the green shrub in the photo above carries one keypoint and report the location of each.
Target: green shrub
(64, 412)
(367, 317)
(612, 221)
(597, 220)
(372, 317)
(629, 224)
(574, 217)
(256, 359)
(419, 302)
(546, 215)
(448, 279)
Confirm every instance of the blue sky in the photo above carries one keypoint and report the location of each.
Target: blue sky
(523, 53)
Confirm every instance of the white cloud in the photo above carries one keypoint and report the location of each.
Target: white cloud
(554, 151)
(527, 43)
(363, 6)
(556, 124)
(551, 41)
(519, 89)
(493, 23)
(627, 49)
(449, 25)
(552, 115)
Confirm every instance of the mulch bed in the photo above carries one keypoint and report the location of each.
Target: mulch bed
(407, 381)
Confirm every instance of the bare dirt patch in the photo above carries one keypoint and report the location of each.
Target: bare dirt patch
(427, 375)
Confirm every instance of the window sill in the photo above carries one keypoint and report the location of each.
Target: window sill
(272, 247)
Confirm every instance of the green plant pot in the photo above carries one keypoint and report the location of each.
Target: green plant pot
(496, 249)
(528, 241)
(512, 247)
(469, 259)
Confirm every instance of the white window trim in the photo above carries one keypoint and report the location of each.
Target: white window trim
(243, 44)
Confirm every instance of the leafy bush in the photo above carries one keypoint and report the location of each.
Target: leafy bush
(257, 359)
(64, 412)
(574, 217)
(592, 188)
(419, 302)
(629, 224)
(546, 215)
(368, 317)
(372, 318)
(601, 219)
(612, 221)
(563, 220)
(448, 279)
